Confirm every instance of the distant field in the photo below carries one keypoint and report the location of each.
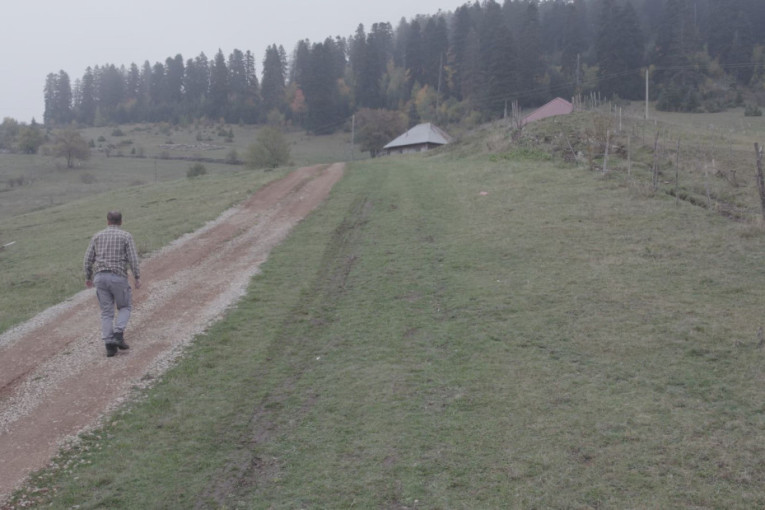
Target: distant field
(479, 328)
(144, 155)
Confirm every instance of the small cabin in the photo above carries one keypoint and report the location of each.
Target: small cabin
(420, 138)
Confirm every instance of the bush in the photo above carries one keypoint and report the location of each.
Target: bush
(87, 178)
(117, 132)
(270, 150)
(752, 111)
(232, 157)
(196, 170)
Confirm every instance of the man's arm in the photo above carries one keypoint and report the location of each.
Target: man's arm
(132, 255)
(87, 264)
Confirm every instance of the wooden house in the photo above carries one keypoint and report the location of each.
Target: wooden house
(420, 138)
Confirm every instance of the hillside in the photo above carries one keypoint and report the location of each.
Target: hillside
(499, 323)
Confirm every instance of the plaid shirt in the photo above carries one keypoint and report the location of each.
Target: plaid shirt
(112, 250)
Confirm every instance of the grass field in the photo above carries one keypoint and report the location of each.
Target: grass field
(462, 331)
(144, 155)
(44, 265)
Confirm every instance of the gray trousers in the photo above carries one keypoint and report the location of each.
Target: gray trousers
(113, 290)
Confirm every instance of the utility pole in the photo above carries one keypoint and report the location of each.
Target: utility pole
(353, 136)
(438, 92)
(646, 92)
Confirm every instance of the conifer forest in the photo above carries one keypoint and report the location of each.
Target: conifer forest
(700, 55)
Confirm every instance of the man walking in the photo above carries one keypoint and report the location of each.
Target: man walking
(110, 253)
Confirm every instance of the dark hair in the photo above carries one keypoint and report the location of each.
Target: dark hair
(114, 218)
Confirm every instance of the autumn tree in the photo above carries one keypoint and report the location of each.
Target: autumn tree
(70, 145)
(378, 127)
(30, 139)
(9, 130)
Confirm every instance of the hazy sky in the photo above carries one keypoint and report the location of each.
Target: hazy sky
(46, 36)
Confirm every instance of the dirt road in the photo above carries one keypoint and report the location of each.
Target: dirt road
(55, 379)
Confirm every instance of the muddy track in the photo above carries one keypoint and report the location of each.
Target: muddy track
(55, 379)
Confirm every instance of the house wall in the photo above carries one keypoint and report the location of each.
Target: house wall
(411, 149)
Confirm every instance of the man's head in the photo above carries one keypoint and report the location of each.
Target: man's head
(114, 218)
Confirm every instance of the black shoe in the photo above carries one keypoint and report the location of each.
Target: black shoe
(119, 339)
(111, 350)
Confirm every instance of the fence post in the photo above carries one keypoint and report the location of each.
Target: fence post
(760, 179)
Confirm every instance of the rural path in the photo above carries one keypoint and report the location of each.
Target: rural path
(55, 379)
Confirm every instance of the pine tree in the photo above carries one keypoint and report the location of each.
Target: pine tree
(196, 83)
(498, 62)
(272, 84)
(58, 99)
(111, 91)
(458, 61)
(435, 43)
(326, 108)
(574, 43)
(531, 67)
(86, 109)
(219, 87)
(157, 87)
(413, 54)
(252, 97)
(144, 85)
(357, 55)
(620, 51)
(49, 95)
(731, 37)
(369, 56)
(471, 83)
(676, 81)
(237, 74)
(174, 71)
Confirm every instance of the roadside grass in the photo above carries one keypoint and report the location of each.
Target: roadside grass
(48, 183)
(44, 265)
(451, 332)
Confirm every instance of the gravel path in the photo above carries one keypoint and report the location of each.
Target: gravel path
(55, 379)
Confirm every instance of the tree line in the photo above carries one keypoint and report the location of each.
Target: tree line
(446, 67)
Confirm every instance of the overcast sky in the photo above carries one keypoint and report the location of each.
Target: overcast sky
(46, 36)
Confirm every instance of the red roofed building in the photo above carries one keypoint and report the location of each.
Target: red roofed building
(557, 106)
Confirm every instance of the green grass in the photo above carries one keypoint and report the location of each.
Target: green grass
(210, 141)
(559, 341)
(44, 265)
(168, 152)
